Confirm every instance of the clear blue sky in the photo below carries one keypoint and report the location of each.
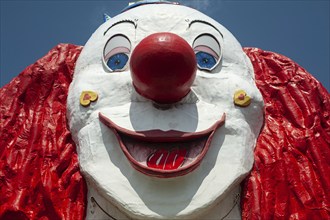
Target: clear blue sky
(296, 29)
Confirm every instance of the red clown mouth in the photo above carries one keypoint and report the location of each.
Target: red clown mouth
(163, 154)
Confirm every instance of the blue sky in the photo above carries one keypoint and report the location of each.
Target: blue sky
(296, 29)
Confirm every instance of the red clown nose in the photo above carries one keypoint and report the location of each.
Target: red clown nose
(163, 67)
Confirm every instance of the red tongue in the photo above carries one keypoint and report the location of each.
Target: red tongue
(165, 159)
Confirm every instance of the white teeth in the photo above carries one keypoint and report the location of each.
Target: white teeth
(158, 161)
(174, 160)
(152, 155)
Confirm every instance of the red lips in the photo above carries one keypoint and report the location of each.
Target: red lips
(163, 154)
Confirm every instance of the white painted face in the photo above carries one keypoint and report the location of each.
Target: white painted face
(120, 135)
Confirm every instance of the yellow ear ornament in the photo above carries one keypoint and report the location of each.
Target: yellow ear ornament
(87, 97)
(241, 98)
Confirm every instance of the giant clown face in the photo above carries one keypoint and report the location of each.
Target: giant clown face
(152, 111)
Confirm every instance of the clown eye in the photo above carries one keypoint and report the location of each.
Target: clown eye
(205, 60)
(116, 53)
(208, 52)
(117, 61)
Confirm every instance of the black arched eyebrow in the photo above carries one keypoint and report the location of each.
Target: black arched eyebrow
(119, 22)
(205, 22)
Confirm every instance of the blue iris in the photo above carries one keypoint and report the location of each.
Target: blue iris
(117, 61)
(205, 60)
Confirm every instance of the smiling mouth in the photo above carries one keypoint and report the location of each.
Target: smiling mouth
(164, 154)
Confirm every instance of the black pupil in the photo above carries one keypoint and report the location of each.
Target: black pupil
(117, 62)
(205, 60)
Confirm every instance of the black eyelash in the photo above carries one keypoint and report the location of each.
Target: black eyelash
(122, 21)
(205, 22)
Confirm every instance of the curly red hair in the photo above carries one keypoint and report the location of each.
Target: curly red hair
(39, 172)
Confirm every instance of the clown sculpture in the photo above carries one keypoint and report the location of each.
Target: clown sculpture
(165, 115)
